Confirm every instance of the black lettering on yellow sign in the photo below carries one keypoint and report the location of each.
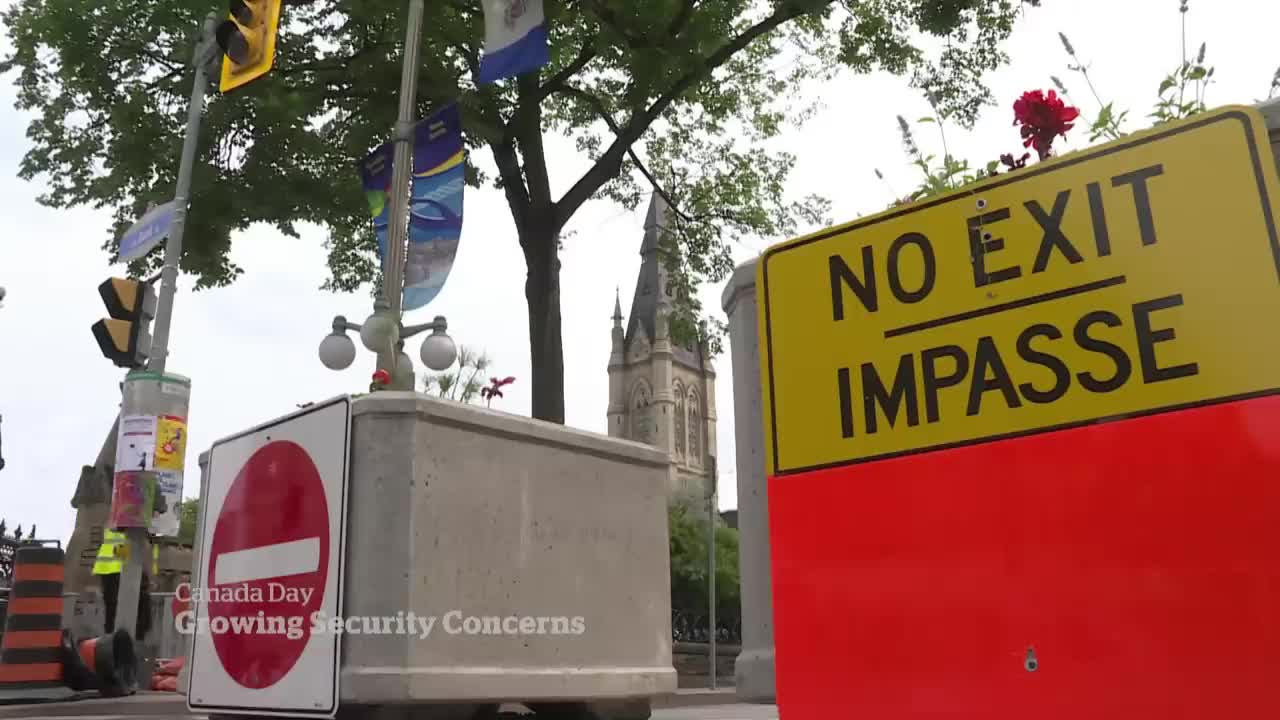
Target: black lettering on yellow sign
(900, 398)
(985, 245)
(1091, 289)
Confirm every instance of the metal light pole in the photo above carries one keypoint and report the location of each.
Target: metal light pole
(384, 332)
(205, 51)
(139, 552)
(398, 228)
(712, 483)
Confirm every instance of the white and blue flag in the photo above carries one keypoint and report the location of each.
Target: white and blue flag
(515, 39)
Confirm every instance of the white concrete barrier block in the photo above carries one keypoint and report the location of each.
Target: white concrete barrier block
(538, 553)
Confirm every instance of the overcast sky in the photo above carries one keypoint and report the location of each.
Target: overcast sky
(251, 348)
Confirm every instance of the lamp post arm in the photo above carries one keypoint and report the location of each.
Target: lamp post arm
(340, 324)
(438, 324)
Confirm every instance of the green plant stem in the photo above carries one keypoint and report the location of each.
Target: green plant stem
(1182, 85)
(1112, 129)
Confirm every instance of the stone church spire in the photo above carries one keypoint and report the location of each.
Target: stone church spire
(657, 387)
(651, 282)
(619, 335)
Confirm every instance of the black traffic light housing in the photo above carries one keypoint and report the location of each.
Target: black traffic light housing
(125, 337)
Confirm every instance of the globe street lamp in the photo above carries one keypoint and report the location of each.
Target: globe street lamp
(381, 333)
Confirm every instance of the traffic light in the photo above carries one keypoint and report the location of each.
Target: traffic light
(125, 337)
(248, 41)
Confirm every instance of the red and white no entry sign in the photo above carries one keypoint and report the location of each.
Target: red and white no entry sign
(269, 555)
(271, 550)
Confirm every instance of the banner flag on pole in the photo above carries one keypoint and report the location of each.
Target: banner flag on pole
(435, 210)
(515, 39)
(435, 203)
(375, 174)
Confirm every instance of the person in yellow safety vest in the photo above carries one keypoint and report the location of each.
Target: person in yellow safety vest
(108, 566)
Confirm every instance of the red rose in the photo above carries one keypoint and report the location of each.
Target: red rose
(1042, 118)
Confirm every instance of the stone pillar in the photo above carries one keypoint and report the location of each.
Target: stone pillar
(754, 669)
(82, 548)
(184, 677)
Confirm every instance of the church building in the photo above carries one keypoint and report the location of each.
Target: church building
(661, 393)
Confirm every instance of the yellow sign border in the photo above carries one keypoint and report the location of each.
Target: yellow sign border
(1255, 130)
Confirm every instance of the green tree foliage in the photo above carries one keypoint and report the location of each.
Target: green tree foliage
(683, 93)
(465, 383)
(188, 515)
(689, 587)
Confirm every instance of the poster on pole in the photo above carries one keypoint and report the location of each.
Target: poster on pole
(136, 443)
(436, 207)
(150, 459)
(165, 519)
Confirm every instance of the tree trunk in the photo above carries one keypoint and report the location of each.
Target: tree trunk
(546, 345)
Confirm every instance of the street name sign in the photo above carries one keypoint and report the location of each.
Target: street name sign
(272, 548)
(1115, 282)
(148, 232)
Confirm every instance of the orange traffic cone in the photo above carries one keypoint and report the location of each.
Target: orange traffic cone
(31, 652)
(113, 662)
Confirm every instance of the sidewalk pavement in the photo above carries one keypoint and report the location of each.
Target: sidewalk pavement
(169, 704)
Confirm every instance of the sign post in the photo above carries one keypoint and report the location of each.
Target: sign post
(138, 548)
(1039, 404)
(271, 566)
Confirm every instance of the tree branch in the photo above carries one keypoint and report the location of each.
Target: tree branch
(603, 112)
(504, 156)
(585, 56)
(527, 121)
(595, 103)
(610, 162)
(162, 59)
(682, 18)
(610, 18)
(490, 125)
(340, 65)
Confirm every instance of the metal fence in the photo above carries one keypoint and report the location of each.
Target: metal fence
(7, 547)
(693, 627)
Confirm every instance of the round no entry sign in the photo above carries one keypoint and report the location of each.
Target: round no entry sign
(267, 564)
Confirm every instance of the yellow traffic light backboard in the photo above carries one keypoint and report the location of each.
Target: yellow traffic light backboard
(1137, 277)
(248, 41)
(123, 336)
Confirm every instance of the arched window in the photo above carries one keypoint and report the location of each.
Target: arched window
(640, 396)
(679, 429)
(695, 428)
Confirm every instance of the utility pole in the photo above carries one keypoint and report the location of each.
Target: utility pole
(712, 482)
(204, 54)
(139, 553)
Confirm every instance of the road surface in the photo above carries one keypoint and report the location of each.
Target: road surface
(686, 705)
(706, 712)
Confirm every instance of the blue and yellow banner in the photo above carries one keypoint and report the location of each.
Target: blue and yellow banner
(435, 210)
